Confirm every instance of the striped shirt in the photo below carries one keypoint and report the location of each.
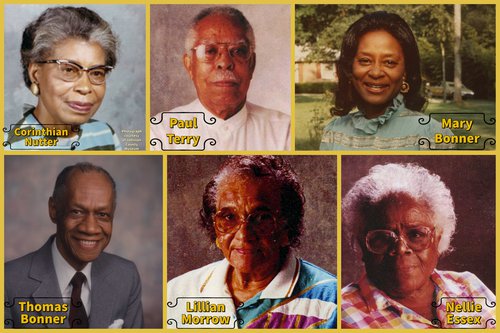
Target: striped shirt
(301, 295)
(366, 306)
(29, 134)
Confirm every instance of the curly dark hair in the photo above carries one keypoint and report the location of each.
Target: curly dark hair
(273, 167)
(347, 97)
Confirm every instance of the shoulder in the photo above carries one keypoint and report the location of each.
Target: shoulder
(19, 265)
(194, 106)
(317, 282)
(340, 123)
(98, 135)
(258, 111)
(462, 283)
(312, 270)
(195, 274)
(190, 283)
(351, 294)
(158, 120)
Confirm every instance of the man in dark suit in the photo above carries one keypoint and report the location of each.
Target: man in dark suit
(70, 281)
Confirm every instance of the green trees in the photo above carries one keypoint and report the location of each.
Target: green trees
(321, 28)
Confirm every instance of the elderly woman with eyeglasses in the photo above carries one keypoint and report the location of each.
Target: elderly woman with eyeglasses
(402, 217)
(253, 210)
(66, 54)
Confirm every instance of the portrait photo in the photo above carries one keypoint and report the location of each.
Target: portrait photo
(119, 236)
(191, 73)
(101, 103)
(413, 220)
(288, 207)
(409, 86)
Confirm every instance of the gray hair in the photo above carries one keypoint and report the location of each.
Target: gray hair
(232, 13)
(409, 179)
(60, 23)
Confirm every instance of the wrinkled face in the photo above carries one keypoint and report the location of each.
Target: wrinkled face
(85, 219)
(403, 270)
(249, 248)
(221, 84)
(377, 71)
(69, 103)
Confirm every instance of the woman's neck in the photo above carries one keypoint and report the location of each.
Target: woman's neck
(420, 300)
(43, 120)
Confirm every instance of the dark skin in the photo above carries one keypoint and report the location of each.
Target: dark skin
(255, 259)
(403, 273)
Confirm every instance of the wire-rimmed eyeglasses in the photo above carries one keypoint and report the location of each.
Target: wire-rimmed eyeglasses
(385, 241)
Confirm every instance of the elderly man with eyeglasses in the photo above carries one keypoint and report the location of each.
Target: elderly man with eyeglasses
(220, 60)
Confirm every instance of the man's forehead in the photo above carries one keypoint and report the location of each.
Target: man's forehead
(77, 176)
(221, 29)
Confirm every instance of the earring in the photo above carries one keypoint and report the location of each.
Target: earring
(217, 242)
(35, 90)
(405, 87)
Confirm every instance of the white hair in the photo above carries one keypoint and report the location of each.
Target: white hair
(232, 13)
(410, 179)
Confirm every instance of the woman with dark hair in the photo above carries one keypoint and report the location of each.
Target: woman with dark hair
(66, 55)
(253, 211)
(379, 78)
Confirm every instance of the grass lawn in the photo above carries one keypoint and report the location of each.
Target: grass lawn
(312, 114)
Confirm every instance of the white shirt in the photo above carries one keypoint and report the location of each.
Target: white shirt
(65, 273)
(209, 283)
(252, 128)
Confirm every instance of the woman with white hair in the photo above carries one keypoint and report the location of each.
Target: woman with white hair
(402, 218)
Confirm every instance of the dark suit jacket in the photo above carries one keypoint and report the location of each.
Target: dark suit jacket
(115, 292)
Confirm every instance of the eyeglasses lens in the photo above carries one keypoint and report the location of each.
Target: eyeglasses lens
(70, 72)
(262, 223)
(210, 52)
(384, 241)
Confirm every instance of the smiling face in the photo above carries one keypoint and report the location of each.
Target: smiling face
(85, 217)
(377, 71)
(222, 84)
(402, 271)
(247, 249)
(68, 103)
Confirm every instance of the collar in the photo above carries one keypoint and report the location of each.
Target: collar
(235, 122)
(30, 119)
(376, 299)
(29, 114)
(65, 271)
(371, 126)
(280, 287)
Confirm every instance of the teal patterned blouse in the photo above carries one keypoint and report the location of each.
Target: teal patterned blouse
(397, 129)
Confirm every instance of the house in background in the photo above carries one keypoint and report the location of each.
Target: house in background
(310, 71)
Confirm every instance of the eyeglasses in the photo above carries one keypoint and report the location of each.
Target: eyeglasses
(240, 52)
(71, 71)
(385, 241)
(262, 222)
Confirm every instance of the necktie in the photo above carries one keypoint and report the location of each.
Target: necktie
(77, 315)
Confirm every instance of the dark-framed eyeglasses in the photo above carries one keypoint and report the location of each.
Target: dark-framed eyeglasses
(209, 52)
(262, 222)
(385, 241)
(70, 71)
